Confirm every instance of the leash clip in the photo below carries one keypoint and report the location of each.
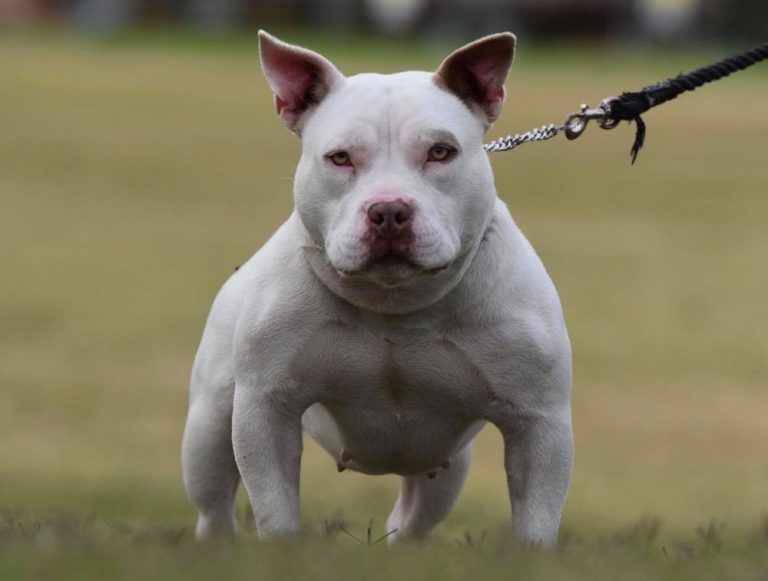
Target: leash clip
(577, 122)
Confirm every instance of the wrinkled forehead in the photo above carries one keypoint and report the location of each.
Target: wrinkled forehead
(391, 107)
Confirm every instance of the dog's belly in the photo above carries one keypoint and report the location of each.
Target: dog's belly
(388, 440)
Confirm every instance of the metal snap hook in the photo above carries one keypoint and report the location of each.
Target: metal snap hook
(577, 122)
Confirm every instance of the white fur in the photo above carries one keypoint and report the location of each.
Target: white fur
(399, 368)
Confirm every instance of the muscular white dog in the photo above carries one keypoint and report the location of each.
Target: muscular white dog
(396, 311)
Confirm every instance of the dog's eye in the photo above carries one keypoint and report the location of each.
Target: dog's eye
(439, 152)
(340, 158)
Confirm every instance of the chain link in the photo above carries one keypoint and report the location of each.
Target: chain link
(542, 133)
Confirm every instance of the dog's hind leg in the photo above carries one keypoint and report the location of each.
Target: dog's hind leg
(423, 501)
(210, 473)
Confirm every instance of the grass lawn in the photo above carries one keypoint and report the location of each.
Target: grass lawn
(136, 173)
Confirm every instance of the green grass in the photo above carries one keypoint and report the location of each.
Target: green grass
(67, 547)
(137, 172)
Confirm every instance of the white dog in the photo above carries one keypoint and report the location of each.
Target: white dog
(396, 311)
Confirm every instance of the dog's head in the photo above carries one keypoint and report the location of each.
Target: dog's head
(393, 184)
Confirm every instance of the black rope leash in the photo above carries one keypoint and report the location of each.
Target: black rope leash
(630, 106)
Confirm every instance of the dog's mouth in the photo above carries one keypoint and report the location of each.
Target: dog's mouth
(392, 269)
(390, 262)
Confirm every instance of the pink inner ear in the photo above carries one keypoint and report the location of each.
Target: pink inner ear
(299, 78)
(280, 104)
(477, 72)
(497, 95)
(489, 74)
(293, 76)
(489, 80)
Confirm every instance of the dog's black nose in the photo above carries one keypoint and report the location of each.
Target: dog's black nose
(390, 217)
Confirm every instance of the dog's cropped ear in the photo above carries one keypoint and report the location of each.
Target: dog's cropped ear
(298, 77)
(476, 73)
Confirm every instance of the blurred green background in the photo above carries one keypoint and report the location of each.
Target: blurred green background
(139, 167)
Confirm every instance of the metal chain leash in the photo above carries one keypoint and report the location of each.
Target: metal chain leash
(542, 133)
(629, 106)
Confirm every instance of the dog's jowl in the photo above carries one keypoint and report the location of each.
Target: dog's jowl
(397, 310)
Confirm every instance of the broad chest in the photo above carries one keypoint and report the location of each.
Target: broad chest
(393, 366)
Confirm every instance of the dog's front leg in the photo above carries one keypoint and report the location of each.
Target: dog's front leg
(266, 433)
(538, 458)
